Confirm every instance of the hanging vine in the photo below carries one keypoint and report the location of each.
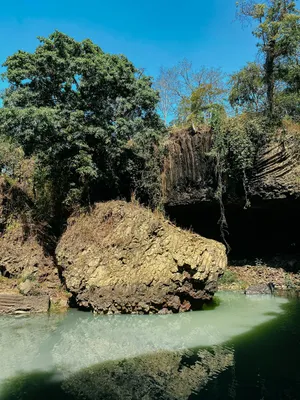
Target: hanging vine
(236, 142)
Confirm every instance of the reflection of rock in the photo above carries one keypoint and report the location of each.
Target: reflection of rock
(164, 375)
(122, 258)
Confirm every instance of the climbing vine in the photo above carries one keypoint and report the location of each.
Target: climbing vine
(236, 142)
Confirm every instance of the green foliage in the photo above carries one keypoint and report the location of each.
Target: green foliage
(278, 34)
(11, 157)
(228, 278)
(76, 108)
(247, 89)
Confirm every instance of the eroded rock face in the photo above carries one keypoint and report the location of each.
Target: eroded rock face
(266, 219)
(23, 260)
(189, 173)
(25, 268)
(122, 258)
(18, 304)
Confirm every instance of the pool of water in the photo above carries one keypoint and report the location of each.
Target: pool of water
(241, 348)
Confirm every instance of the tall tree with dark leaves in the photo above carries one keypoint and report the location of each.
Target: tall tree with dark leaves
(84, 114)
(278, 32)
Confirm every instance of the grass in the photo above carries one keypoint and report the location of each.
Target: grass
(228, 277)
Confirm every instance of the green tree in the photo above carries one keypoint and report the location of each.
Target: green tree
(248, 90)
(278, 32)
(76, 109)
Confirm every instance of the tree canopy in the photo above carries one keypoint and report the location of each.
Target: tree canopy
(277, 28)
(89, 117)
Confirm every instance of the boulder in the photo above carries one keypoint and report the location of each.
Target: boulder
(260, 289)
(123, 258)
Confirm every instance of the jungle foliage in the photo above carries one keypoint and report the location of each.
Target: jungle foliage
(90, 124)
(88, 119)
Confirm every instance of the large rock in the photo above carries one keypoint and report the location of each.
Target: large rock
(122, 258)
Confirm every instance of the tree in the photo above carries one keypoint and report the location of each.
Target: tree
(76, 109)
(278, 32)
(176, 86)
(248, 90)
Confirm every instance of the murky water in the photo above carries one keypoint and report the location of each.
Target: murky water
(243, 348)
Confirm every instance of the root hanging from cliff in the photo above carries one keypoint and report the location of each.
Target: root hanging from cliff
(219, 195)
(246, 191)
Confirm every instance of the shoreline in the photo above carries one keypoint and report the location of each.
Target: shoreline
(241, 277)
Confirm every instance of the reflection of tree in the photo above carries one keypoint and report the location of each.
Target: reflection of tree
(163, 375)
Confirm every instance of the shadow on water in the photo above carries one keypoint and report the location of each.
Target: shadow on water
(163, 375)
(34, 386)
(261, 364)
(266, 362)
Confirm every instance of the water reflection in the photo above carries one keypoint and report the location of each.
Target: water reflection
(163, 375)
(124, 357)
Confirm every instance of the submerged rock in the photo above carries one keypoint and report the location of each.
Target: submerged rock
(123, 258)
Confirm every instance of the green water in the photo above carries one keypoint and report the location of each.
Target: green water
(243, 348)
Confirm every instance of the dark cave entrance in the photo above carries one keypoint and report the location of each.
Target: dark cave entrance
(267, 229)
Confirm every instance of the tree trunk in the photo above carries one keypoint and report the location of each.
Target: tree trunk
(270, 79)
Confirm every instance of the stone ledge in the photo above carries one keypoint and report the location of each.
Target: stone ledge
(18, 304)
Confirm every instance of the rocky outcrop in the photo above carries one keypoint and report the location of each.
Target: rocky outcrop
(18, 304)
(268, 219)
(189, 172)
(260, 289)
(123, 258)
(25, 267)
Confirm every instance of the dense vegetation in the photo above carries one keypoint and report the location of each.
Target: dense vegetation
(79, 125)
(87, 119)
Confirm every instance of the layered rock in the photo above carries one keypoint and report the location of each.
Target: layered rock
(18, 304)
(189, 173)
(122, 258)
(266, 221)
(25, 267)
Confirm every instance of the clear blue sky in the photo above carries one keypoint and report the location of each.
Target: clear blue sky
(150, 33)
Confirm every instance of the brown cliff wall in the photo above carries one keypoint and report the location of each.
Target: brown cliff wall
(272, 221)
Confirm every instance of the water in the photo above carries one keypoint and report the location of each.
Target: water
(242, 348)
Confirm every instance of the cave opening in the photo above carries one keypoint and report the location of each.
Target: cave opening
(264, 231)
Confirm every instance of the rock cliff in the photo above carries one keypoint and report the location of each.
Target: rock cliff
(269, 225)
(123, 258)
(189, 174)
(25, 267)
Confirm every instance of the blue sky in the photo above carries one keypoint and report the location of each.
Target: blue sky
(150, 33)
